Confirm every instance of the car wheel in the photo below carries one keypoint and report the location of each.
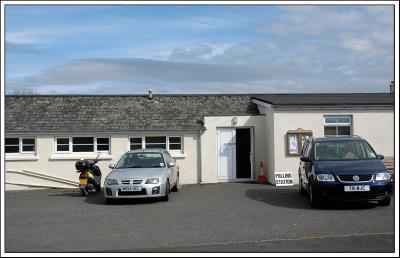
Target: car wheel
(315, 199)
(385, 202)
(176, 186)
(301, 189)
(167, 190)
(84, 192)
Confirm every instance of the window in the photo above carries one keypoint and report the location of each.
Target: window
(102, 144)
(82, 144)
(170, 143)
(135, 143)
(337, 125)
(344, 150)
(156, 142)
(175, 143)
(11, 145)
(62, 144)
(20, 145)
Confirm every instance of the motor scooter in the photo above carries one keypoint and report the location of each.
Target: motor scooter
(89, 177)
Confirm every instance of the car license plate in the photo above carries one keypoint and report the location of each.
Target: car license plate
(356, 188)
(131, 188)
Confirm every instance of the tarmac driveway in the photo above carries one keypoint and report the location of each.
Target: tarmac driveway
(231, 217)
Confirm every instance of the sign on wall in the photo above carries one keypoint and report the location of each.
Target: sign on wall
(283, 178)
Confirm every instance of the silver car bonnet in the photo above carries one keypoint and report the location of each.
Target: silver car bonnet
(135, 173)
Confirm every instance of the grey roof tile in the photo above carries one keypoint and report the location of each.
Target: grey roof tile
(120, 113)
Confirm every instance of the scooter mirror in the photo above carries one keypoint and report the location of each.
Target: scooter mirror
(111, 166)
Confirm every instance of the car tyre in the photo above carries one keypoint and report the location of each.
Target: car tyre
(315, 199)
(301, 189)
(167, 190)
(176, 186)
(85, 192)
(385, 202)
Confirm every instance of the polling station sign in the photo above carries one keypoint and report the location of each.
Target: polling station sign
(283, 178)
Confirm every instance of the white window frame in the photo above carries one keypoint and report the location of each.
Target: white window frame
(143, 144)
(20, 145)
(154, 143)
(180, 151)
(350, 123)
(70, 144)
(181, 143)
(95, 144)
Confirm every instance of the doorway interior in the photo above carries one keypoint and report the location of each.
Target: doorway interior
(235, 150)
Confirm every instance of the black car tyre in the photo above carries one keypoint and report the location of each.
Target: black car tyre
(315, 199)
(301, 189)
(166, 197)
(176, 186)
(385, 202)
(84, 192)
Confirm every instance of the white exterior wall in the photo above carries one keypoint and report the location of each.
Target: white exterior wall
(209, 142)
(58, 170)
(376, 126)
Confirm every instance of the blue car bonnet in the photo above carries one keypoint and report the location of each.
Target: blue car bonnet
(342, 167)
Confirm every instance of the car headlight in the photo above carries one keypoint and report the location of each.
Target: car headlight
(382, 176)
(325, 178)
(152, 181)
(112, 181)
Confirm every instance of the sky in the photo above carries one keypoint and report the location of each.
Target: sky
(189, 49)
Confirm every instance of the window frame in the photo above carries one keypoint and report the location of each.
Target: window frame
(167, 142)
(337, 124)
(70, 145)
(21, 145)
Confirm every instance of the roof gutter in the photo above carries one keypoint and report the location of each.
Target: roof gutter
(103, 131)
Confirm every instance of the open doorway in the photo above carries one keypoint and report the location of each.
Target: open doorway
(235, 154)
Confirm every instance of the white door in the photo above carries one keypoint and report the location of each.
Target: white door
(226, 147)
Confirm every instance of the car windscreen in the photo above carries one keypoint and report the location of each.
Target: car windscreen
(141, 160)
(343, 150)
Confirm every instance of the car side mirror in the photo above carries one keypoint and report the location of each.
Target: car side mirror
(305, 159)
(112, 166)
(171, 164)
(379, 156)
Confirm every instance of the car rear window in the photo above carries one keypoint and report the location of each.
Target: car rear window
(344, 150)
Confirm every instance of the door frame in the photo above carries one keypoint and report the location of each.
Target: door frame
(252, 159)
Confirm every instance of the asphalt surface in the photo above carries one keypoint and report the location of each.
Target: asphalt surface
(232, 217)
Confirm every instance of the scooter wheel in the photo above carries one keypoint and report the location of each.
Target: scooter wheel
(84, 192)
(98, 188)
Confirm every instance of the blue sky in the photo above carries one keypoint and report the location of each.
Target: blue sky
(118, 49)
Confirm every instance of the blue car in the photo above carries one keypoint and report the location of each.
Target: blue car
(343, 169)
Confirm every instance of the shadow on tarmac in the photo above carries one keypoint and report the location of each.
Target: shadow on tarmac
(291, 198)
(98, 198)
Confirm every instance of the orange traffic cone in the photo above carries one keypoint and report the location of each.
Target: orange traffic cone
(261, 176)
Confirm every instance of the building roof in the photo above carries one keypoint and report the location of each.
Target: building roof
(323, 99)
(42, 113)
(53, 113)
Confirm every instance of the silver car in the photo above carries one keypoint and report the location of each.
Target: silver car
(142, 174)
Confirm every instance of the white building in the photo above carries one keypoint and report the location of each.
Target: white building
(214, 138)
